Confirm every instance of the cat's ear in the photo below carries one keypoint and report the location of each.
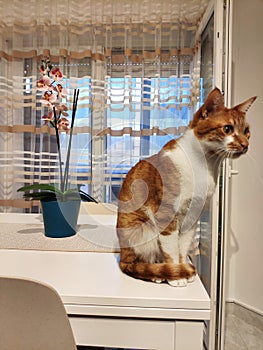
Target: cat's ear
(244, 106)
(213, 103)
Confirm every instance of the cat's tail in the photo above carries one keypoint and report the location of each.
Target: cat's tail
(158, 271)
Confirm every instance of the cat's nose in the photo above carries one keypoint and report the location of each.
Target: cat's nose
(244, 145)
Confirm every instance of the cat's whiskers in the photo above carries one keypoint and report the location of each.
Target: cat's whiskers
(254, 167)
(251, 158)
(219, 153)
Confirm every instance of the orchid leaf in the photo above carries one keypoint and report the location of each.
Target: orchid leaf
(86, 197)
(42, 187)
(42, 195)
(79, 194)
(49, 192)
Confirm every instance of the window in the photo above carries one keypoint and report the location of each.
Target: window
(143, 113)
(139, 82)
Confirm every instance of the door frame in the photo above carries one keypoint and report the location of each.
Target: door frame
(223, 11)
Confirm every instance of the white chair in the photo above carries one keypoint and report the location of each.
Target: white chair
(32, 317)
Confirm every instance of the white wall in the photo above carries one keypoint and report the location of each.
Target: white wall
(245, 246)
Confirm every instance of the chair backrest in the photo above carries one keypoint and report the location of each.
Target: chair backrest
(32, 317)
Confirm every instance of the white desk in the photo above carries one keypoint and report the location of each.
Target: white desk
(108, 308)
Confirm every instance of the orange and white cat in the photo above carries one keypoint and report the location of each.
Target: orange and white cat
(163, 196)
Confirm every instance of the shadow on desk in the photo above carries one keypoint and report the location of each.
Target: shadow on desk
(99, 348)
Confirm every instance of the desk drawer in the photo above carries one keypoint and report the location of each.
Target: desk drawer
(138, 333)
(123, 332)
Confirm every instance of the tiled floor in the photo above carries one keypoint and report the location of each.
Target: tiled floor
(244, 329)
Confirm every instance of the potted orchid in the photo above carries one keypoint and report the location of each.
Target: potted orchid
(57, 112)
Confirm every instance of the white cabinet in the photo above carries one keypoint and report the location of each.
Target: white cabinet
(108, 308)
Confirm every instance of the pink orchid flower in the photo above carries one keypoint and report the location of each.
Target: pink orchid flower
(63, 124)
(44, 70)
(62, 109)
(48, 98)
(44, 83)
(62, 92)
(56, 74)
(48, 118)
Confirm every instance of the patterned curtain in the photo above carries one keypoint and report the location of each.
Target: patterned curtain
(137, 65)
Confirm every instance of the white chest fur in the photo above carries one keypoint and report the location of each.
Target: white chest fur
(197, 183)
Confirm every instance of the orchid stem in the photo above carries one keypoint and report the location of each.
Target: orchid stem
(74, 109)
(59, 151)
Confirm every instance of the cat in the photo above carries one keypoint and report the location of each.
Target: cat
(163, 196)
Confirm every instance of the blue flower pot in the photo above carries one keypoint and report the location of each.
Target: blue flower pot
(60, 218)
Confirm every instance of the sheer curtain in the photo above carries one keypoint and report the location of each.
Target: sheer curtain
(137, 66)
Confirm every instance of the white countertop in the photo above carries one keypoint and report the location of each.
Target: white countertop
(84, 277)
(92, 283)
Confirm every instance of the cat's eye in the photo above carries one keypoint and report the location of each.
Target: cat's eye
(246, 131)
(228, 129)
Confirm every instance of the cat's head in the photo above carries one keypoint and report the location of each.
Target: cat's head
(222, 131)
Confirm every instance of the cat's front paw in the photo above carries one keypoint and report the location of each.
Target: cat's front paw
(191, 279)
(182, 282)
(157, 280)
